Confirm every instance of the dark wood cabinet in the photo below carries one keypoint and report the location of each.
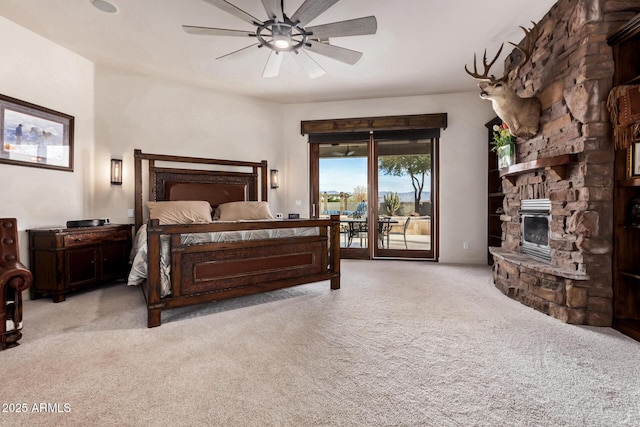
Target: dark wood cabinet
(626, 262)
(495, 196)
(67, 259)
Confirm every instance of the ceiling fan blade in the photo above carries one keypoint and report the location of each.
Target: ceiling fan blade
(310, 10)
(273, 9)
(312, 68)
(341, 54)
(235, 11)
(207, 31)
(272, 67)
(244, 49)
(351, 27)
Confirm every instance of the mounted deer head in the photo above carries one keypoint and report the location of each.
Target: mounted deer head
(522, 115)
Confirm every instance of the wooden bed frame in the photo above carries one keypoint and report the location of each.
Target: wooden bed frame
(207, 272)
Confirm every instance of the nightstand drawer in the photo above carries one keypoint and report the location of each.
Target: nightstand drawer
(90, 238)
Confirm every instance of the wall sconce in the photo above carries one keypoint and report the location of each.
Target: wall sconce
(116, 171)
(274, 178)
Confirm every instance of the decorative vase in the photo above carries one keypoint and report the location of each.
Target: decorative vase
(506, 156)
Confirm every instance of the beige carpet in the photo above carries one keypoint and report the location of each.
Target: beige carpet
(401, 344)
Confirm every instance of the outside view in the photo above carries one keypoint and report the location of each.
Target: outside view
(403, 202)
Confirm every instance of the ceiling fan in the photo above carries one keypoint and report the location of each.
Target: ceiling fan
(282, 34)
(348, 152)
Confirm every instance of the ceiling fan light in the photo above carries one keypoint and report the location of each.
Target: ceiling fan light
(281, 37)
(282, 42)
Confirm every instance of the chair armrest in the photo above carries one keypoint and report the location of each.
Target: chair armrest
(16, 275)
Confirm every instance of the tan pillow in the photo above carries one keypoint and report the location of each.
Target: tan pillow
(180, 211)
(236, 211)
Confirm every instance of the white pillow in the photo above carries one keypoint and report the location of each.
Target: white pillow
(237, 211)
(180, 211)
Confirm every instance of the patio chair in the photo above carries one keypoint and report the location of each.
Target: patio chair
(384, 227)
(361, 210)
(362, 230)
(359, 229)
(344, 230)
(403, 233)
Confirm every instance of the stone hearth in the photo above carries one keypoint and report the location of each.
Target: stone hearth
(571, 73)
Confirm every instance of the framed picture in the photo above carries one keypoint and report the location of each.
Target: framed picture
(35, 136)
(634, 160)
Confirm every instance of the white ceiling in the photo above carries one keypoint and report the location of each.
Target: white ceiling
(420, 48)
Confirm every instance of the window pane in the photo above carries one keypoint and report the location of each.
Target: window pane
(343, 189)
(404, 193)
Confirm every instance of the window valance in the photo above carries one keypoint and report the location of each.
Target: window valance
(420, 126)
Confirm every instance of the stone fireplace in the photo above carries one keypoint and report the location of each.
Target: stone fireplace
(569, 166)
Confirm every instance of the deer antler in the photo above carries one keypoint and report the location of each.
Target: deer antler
(531, 36)
(487, 67)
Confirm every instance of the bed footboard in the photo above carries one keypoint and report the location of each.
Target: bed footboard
(208, 272)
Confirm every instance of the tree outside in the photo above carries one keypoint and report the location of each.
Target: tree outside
(417, 167)
(359, 193)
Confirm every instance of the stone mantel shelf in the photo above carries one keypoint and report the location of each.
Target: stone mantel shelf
(556, 164)
(528, 262)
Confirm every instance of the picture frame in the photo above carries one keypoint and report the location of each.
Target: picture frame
(35, 136)
(634, 160)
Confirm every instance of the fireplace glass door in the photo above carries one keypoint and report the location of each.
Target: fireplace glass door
(535, 236)
(536, 229)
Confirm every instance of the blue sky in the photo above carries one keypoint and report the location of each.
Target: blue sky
(345, 173)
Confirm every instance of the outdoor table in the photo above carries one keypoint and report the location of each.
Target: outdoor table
(359, 225)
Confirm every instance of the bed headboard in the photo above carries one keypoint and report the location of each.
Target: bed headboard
(247, 180)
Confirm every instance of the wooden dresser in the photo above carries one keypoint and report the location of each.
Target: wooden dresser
(67, 259)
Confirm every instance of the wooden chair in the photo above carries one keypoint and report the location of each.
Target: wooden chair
(14, 278)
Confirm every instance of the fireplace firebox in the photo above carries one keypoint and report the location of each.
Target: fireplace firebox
(535, 215)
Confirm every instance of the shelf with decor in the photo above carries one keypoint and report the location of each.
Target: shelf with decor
(495, 196)
(625, 44)
(557, 164)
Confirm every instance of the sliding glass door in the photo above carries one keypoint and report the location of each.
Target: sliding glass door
(384, 192)
(404, 181)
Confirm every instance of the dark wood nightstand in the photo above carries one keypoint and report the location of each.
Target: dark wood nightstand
(68, 259)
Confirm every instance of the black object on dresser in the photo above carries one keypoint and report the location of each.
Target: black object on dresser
(87, 223)
(68, 259)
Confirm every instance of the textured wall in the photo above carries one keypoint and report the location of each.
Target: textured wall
(571, 74)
